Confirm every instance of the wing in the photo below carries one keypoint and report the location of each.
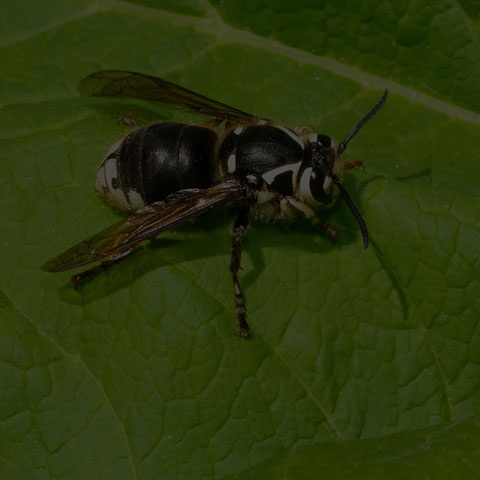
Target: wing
(119, 239)
(124, 84)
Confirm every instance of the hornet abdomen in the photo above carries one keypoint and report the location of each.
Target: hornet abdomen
(153, 162)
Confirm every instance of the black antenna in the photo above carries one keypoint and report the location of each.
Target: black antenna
(362, 122)
(353, 209)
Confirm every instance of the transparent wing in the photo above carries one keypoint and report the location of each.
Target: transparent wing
(146, 223)
(124, 84)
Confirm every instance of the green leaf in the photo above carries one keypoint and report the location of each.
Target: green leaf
(447, 451)
(363, 363)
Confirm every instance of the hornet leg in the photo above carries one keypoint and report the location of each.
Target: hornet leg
(127, 120)
(309, 214)
(87, 275)
(239, 230)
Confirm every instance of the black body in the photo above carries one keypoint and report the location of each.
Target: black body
(164, 158)
(154, 162)
(258, 149)
(170, 173)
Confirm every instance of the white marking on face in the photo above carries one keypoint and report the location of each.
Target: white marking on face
(269, 176)
(327, 183)
(238, 130)
(313, 138)
(292, 135)
(304, 192)
(231, 163)
(135, 200)
(262, 122)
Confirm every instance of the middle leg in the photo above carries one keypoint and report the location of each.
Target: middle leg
(239, 230)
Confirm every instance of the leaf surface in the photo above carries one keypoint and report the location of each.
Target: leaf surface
(363, 363)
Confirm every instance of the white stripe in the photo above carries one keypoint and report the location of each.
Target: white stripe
(113, 149)
(118, 197)
(110, 167)
(115, 194)
(135, 200)
(101, 182)
(304, 192)
(270, 176)
(292, 135)
(231, 163)
(327, 183)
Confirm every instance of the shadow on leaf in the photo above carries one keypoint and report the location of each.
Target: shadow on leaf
(206, 238)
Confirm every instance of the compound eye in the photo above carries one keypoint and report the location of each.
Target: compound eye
(324, 140)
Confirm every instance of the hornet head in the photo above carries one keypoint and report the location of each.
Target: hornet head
(322, 168)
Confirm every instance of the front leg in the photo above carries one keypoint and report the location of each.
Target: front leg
(310, 215)
(239, 230)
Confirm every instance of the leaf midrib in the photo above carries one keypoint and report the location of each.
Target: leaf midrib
(213, 25)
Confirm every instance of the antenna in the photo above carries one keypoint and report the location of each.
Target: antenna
(353, 209)
(362, 122)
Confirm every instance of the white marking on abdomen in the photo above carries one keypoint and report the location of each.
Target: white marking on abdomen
(118, 197)
(113, 149)
(110, 167)
(101, 182)
(231, 163)
(292, 135)
(135, 200)
(269, 176)
(116, 194)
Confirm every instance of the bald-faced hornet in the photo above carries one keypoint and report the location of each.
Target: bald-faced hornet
(170, 173)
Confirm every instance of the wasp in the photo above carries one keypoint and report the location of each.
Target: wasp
(167, 174)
